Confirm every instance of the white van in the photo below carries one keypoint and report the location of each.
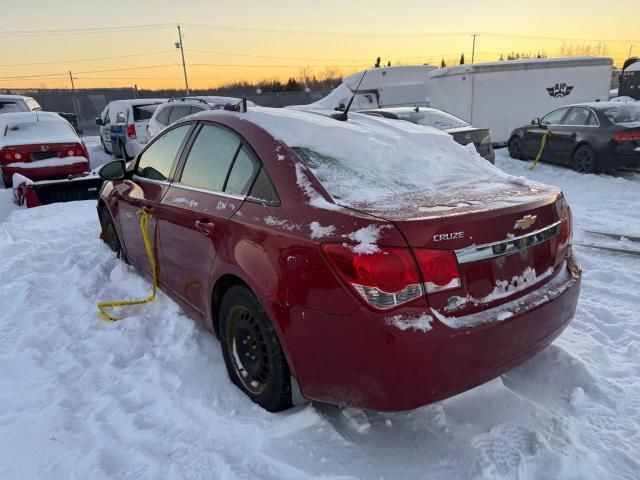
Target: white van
(123, 125)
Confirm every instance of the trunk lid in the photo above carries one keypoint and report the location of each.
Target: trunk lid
(506, 238)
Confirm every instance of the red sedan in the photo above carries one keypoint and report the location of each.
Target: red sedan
(365, 262)
(40, 146)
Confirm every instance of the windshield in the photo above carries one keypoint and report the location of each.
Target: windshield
(433, 118)
(144, 112)
(624, 113)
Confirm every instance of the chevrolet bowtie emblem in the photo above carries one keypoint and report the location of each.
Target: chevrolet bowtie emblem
(525, 222)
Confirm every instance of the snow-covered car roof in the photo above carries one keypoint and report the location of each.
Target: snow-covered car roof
(13, 97)
(217, 100)
(368, 158)
(24, 128)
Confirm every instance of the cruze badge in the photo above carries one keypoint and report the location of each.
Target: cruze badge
(525, 222)
(448, 236)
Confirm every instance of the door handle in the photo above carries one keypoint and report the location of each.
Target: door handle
(204, 226)
(148, 210)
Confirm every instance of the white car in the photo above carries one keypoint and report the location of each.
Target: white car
(175, 109)
(123, 125)
(18, 103)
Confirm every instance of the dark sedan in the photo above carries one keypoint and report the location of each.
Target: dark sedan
(462, 132)
(589, 137)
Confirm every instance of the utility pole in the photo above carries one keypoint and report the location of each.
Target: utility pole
(73, 96)
(473, 49)
(630, 48)
(184, 65)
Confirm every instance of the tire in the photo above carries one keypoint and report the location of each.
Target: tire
(110, 235)
(246, 333)
(515, 148)
(584, 159)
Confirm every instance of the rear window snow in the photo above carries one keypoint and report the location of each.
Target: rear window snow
(31, 127)
(624, 113)
(368, 158)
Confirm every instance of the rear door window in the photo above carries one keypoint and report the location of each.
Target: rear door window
(209, 159)
(178, 112)
(156, 161)
(143, 113)
(242, 173)
(577, 117)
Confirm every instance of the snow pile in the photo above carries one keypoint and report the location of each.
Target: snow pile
(366, 238)
(35, 127)
(149, 397)
(366, 157)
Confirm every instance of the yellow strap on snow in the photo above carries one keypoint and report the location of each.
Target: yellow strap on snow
(151, 255)
(543, 143)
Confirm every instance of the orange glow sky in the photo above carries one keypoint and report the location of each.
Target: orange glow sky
(224, 45)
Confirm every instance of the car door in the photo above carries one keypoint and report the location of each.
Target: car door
(211, 184)
(534, 133)
(564, 137)
(152, 174)
(105, 128)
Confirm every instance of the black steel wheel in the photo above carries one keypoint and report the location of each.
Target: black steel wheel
(251, 350)
(584, 159)
(515, 148)
(110, 235)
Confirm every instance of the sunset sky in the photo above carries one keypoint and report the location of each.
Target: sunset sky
(122, 43)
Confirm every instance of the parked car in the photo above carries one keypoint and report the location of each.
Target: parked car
(18, 103)
(123, 125)
(590, 137)
(461, 131)
(178, 108)
(40, 146)
(343, 261)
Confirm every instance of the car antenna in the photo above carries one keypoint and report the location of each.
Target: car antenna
(342, 116)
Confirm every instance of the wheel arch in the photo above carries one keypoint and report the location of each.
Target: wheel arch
(221, 287)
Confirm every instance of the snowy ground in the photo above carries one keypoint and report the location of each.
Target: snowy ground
(149, 398)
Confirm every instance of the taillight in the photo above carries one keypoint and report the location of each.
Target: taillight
(566, 227)
(76, 150)
(383, 279)
(11, 155)
(439, 269)
(131, 131)
(628, 136)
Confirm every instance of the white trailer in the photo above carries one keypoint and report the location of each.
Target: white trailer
(499, 95)
(505, 95)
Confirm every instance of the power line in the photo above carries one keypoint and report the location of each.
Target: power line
(77, 31)
(560, 39)
(41, 75)
(87, 59)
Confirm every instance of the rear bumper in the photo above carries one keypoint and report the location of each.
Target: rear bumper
(620, 160)
(366, 360)
(46, 173)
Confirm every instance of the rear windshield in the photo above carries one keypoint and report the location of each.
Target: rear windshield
(624, 113)
(39, 132)
(433, 118)
(8, 107)
(144, 112)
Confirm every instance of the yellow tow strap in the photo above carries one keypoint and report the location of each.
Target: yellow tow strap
(543, 143)
(151, 255)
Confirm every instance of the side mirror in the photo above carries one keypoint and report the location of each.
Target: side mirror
(115, 170)
(99, 121)
(535, 121)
